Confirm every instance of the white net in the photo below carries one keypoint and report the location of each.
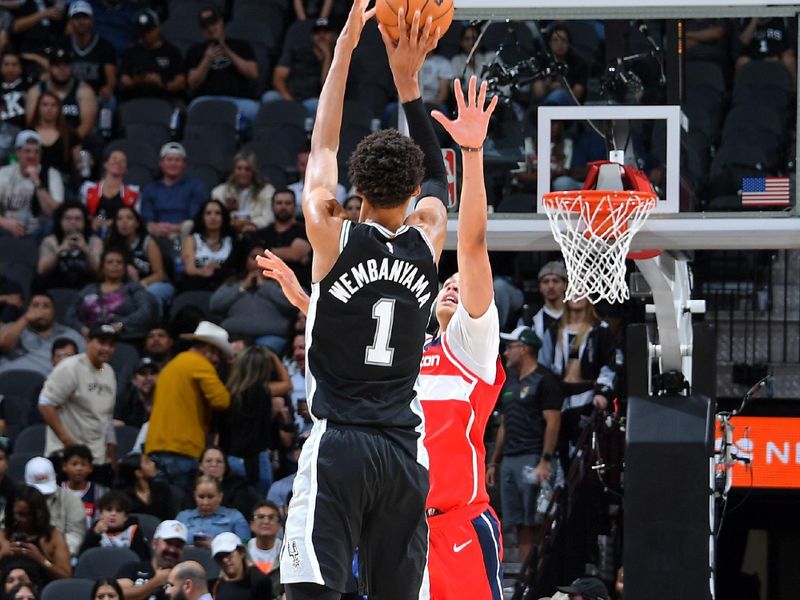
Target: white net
(594, 229)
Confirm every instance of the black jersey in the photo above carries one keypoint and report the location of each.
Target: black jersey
(366, 331)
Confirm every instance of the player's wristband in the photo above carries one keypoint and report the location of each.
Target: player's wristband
(470, 149)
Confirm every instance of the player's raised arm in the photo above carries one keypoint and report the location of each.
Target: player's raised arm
(323, 220)
(469, 132)
(405, 59)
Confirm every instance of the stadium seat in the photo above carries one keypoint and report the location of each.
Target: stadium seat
(771, 76)
(182, 33)
(23, 250)
(139, 175)
(123, 361)
(103, 561)
(203, 556)
(356, 114)
(224, 138)
(31, 439)
(202, 151)
(73, 588)
(17, 410)
(145, 110)
(20, 382)
(147, 524)
(153, 134)
(16, 465)
(705, 74)
(205, 174)
(281, 112)
(272, 154)
(198, 298)
(126, 437)
(63, 299)
(263, 26)
(276, 175)
(214, 112)
(137, 151)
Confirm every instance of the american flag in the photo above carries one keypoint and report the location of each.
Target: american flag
(765, 191)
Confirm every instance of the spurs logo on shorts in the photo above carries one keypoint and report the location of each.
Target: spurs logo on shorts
(294, 554)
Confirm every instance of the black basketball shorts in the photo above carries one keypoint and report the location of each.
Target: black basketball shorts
(355, 488)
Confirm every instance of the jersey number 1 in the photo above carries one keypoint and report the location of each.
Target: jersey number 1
(380, 354)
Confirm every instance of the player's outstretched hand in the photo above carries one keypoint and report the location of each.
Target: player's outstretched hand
(275, 268)
(358, 16)
(408, 53)
(469, 129)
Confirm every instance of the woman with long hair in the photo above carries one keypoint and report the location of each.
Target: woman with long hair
(246, 428)
(210, 251)
(237, 574)
(60, 145)
(128, 231)
(248, 294)
(106, 588)
(246, 193)
(30, 539)
(114, 299)
(105, 197)
(462, 68)
(70, 256)
(579, 348)
(137, 480)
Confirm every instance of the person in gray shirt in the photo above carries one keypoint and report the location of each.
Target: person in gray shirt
(27, 342)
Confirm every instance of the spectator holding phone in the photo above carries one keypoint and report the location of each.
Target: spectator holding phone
(210, 518)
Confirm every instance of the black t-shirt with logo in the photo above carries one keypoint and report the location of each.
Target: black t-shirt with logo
(522, 402)
(88, 64)
(223, 78)
(166, 60)
(305, 69)
(139, 574)
(13, 95)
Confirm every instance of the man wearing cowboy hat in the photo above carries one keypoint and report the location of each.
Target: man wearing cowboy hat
(188, 391)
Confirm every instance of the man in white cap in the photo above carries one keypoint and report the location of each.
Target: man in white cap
(173, 199)
(67, 513)
(23, 186)
(189, 390)
(146, 580)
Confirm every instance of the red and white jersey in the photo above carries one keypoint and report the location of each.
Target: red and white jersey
(459, 380)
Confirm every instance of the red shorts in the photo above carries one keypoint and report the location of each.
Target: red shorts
(465, 556)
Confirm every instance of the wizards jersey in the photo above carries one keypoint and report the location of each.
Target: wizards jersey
(457, 404)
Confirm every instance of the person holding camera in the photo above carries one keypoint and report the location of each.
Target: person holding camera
(70, 256)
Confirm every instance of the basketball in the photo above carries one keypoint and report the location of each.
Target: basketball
(441, 11)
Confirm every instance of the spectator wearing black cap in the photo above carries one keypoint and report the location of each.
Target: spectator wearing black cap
(28, 193)
(175, 198)
(78, 100)
(222, 68)
(77, 400)
(38, 27)
(585, 588)
(304, 64)
(94, 60)
(133, 409)
(152, 67)
(530, 402)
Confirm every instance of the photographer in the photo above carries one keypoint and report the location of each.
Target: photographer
(70, 256)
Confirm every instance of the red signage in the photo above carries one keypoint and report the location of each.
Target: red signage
(449, 156)
(773, 446)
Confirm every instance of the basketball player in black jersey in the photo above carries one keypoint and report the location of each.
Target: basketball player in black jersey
(362, 476)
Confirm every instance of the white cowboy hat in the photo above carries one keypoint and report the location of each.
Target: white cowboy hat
(211, 334)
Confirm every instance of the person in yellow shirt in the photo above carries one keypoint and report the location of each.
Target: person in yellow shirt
(188, 391)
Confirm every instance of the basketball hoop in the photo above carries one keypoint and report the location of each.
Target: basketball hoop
(594, 229)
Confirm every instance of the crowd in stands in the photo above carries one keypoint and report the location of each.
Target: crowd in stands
(151, 153)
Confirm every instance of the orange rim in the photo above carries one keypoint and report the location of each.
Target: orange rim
(599, 223)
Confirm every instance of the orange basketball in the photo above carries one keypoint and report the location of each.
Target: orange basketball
(441, 11)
